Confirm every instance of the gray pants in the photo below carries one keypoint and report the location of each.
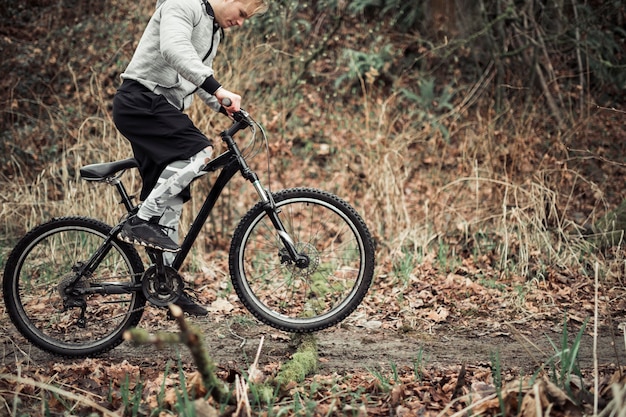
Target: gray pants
(164, 200)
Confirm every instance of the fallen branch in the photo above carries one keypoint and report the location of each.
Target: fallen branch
(191, 336)
(303, 363)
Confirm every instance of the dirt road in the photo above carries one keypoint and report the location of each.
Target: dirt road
(350, 348)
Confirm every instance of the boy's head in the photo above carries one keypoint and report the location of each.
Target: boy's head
(234, 12)
(257, 6)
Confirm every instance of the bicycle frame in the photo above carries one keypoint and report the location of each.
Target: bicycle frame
(229, 165)
(229, 162)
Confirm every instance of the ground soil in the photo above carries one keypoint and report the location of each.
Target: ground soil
(350, 348)
(440, 346)
(431, 329)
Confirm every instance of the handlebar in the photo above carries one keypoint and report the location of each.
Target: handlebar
(242, 119)
(239, 116)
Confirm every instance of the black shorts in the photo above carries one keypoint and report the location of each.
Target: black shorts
(158, 132)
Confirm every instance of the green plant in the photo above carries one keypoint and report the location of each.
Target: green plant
(432, 104)
(492, 283)
(184, 401)
(263, 396)
(564, 363)
(496, 374)
(131, 398)
(602, 45)
(418, 365)
(161, 394)
(371, 66)
(446, 255)
(283, 20)
(383, 381)
(404, 266)
(403, 15)
(303, 406)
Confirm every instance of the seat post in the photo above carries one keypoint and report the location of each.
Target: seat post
(126, 199)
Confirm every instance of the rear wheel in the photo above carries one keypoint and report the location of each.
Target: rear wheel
(59, 314)
(311, 296)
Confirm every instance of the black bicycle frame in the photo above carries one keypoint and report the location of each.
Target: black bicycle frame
(230, 166)
(230, 162)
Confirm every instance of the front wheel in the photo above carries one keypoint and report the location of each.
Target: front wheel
(302, 298)
(60, 310)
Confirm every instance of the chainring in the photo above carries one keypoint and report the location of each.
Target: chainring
(162, 289)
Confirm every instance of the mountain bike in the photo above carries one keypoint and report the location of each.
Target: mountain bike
(300, 260)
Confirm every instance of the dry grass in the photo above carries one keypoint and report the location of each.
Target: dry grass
(484, 191)
(503, 192)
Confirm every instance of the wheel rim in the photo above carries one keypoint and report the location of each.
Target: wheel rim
(40, 279)
(327, 287)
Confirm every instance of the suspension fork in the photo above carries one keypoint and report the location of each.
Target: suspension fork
(269, 205)
(272, 211)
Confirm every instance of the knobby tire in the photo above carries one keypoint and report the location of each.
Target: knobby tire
(40, 267)
(340, 250)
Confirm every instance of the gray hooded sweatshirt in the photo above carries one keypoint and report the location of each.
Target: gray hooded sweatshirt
(175, 54)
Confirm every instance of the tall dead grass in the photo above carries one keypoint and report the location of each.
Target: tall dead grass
(482, 192)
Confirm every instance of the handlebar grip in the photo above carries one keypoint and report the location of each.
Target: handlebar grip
(238, 116)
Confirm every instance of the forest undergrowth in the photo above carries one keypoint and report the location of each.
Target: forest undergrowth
(481, 186)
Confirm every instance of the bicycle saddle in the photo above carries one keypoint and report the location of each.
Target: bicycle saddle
(101, 171)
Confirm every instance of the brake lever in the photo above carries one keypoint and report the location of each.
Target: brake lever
(239, 116)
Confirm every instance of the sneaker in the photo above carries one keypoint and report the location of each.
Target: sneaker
(147, 233)
(189, 306)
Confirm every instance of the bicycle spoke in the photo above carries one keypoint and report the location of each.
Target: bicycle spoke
(323, 290)
(56, 309)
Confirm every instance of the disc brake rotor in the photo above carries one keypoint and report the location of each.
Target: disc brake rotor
(162, 290)
(314, 260)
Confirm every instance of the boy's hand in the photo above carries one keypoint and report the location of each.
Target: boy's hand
(235, 100)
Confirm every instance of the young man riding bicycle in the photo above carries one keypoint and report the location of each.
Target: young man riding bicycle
(172, 62)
